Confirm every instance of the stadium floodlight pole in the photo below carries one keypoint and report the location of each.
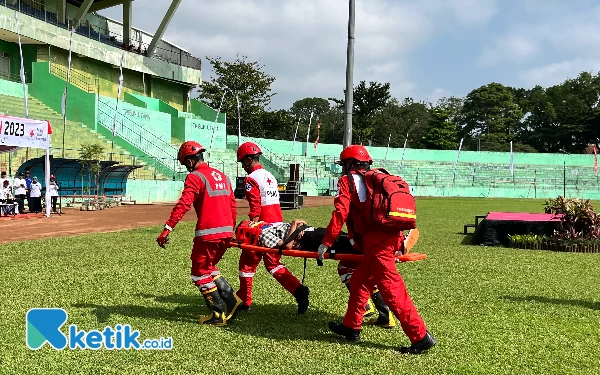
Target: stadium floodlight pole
(349, 101)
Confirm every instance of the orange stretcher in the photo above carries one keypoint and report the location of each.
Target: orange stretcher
(409, 257)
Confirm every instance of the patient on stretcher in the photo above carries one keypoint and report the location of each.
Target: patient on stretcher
(307, 238)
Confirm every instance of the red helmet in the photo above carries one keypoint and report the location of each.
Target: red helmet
(189, 148)
(355, 152)
(248, 148)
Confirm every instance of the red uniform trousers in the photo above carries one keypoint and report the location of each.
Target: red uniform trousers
(378, 267)
(205, 256)
(249, 261)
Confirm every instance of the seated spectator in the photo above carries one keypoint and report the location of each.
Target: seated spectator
(7, 198)
(35, 196)
(3, 177)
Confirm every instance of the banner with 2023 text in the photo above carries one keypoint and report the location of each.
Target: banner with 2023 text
(24, 132)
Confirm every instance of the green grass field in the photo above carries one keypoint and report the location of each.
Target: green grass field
(493, 310)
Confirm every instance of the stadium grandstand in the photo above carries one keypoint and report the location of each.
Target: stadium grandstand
(155, 114)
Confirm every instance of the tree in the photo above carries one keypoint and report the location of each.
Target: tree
(399, 120)
(249, 82)
(441, 132)
(277, 125)
(490, 113)
(89, 158)
(330, 117)
(368, 102)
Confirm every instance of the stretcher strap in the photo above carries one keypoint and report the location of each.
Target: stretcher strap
(292, 237)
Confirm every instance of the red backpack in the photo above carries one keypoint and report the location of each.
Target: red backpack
(389, 203)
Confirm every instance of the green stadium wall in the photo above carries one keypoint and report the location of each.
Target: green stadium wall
(81, 106)
(205, 112)
(15, 89)
(29, 56)
(157, 123)
(153, 191)
(331, 151)
(187, 129)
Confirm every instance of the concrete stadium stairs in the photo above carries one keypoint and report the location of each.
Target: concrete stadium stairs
(76, 135)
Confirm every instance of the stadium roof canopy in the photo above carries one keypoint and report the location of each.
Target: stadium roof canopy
(97, 4)
(86, 6)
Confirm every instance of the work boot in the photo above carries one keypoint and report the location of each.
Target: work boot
(369, 309)
(217, 306)
(384, 318)
(227, 294)
(352, 335)
(301, 295)
(421, 346)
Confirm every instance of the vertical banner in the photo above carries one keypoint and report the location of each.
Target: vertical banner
(64, 97)
(595, 161)
(403, 150)
(295, 135)
(118, 96)
(388, 147)
(22, 72)
(216, 119)
(511, 166)
(308, 133)
(318, 135)
(458, 154)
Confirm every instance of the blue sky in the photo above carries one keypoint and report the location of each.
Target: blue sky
(426, 49)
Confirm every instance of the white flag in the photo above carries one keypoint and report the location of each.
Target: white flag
(63, 103)
(22, 72)
(121, 77)
(512, 169)
(403, 150)
(458, 154)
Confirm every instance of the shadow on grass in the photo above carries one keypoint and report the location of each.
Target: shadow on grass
(276, 322)
(467, 240)
(556, 301)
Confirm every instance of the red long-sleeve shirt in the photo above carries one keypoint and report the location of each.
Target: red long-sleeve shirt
(347, 209)
(214, 204)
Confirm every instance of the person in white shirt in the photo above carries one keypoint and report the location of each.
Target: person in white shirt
(35, 194)
(3, 178)
(6, 196)
(53, 190)
(20, 191)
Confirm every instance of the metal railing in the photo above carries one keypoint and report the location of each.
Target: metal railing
(172, 54)
(77, 79)
(7, 76)
(163, 152)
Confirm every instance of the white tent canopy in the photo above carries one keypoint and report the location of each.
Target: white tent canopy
(16, 132)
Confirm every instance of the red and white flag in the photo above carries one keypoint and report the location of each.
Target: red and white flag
(595, 160)
(318, 134)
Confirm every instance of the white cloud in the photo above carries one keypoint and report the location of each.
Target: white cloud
(552, 74)
(509, 49)
(303, 43)
(437, 94)
(473, 12)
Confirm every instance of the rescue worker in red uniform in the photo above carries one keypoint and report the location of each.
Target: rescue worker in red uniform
(378, 266)
(262, 195)
(209, 191)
